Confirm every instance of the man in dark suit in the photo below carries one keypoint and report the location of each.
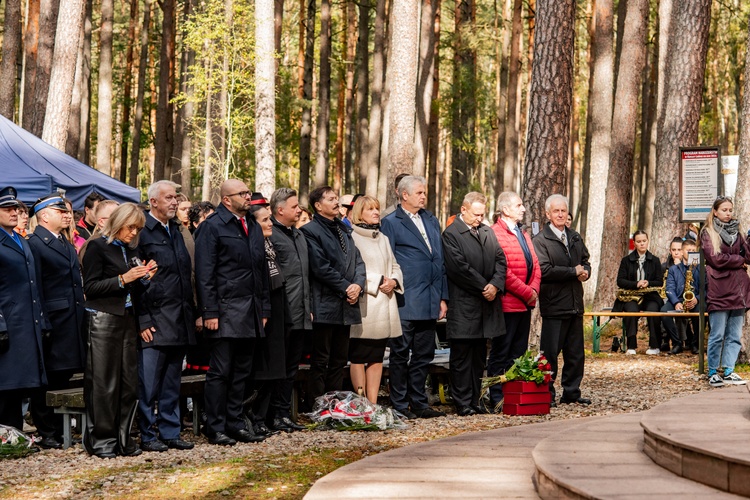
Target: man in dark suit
(64, 348)
(564, 260)
(166, 319)
(476, 267)
(21, 317)
(338, 279)
(88, 223)
(292, 257)
(414, 234)
(232, 284)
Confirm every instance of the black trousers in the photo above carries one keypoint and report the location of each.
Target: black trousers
(281, 399)
(330, 351)
(11, 403)
(564, 335)
(467, 359)
(407, 376)
(47, 422)
(110, 384)
(506, 348)
(631, 324)
(671, 326)
(228, 371)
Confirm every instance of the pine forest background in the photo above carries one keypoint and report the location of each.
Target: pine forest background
(589, 98)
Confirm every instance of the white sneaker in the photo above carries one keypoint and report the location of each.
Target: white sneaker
(716, 381)
(734, 379)
(652, 352)
(630, 352)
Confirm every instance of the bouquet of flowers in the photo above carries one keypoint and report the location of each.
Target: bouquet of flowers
(530, 367)
(14, 443)
(347, 411)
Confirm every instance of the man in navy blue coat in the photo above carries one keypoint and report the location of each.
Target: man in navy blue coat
(166, 321)
(414, 234)
(232, 283)
(21, 317)
(64, 348)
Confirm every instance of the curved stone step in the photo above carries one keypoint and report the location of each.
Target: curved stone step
(704, 437)
(604, 459)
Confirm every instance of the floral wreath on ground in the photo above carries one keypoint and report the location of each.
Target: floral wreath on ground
(530, 367)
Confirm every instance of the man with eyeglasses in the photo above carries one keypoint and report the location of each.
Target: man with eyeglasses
(21, 318)
(64, 351)
(232, 285)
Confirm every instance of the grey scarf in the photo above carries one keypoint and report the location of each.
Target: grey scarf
(727, 230)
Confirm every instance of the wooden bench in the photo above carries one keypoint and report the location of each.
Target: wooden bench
(597, 327)
(70, 403)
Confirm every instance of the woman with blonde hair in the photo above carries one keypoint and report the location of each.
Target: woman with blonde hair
(113, 276)
(727, 255)
(379, 307)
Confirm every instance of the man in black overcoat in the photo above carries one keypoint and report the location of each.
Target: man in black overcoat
(338, 280)
(21, 317)
(232, 285)
(564, 261)
(64, 347)
(292, 257)
(475, 265)
(166, 319)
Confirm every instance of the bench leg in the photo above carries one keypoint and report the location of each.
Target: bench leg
(295, 403)
(596, 334)
(67, 434)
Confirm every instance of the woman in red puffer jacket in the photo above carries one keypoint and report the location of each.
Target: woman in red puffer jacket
(522, 281)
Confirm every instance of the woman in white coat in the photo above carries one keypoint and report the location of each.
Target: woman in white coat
(380, 320)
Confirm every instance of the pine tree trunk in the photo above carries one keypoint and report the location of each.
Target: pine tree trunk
(425, 82)
(128, 77)
(433, 136)
(45, 52)
(324, 95)
(62, 77)
(11, 48)
(349, 133)
(648, 119)
(74, 120)
(686, 65)
(549, 104)
(403, 69)
(84, 145)
(265, 106)
(512, 132)
(618, 202)
(135, 157)
(104, 106)
(363, 82)
(376, 105)
(164, 136)
(463, 158)
(30, 56)
(598, 135)
(181, 158)
(338, 147)
(307, 48)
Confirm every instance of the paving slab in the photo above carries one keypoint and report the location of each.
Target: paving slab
(619, 474)
(489, 464)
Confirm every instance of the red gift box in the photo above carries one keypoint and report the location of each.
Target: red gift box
(537, 409)
(518, 386)
(526, 398)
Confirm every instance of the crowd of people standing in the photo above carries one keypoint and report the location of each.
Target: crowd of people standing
(134, 296)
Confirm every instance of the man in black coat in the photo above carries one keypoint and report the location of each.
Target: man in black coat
(338, 280)
(292, 258)
(21, 317)
(476, 267)
(232, 284)
(564, 260)
(64, 348)
(166, 319)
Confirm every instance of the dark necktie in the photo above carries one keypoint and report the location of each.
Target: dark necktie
(244, 226)
(525, 247)
(474, 232)
(342, 241)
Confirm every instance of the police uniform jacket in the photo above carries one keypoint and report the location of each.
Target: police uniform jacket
(231, 275)
(64, 348)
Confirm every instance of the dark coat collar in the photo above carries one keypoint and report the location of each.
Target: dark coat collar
(152, 222)
(633, 256)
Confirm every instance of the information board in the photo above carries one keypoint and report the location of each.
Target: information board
(699, 182)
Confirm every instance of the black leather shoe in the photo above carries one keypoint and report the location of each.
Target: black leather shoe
(676, 350)
(245, 436)
(427, 413)
(154, 445)
(260, 429)
(408, 414)
(286, 424)
(694, 350)
(580, 401)
(49, 443)
(465, 411)
(480, 410)
(221, 439)
(132, 451)
(105, 454)
(664, 347)
(178, 444)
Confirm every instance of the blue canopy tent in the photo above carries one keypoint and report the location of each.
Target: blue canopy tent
(35, 169)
